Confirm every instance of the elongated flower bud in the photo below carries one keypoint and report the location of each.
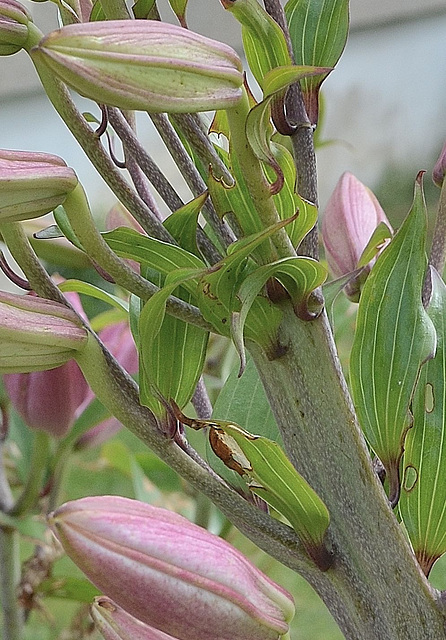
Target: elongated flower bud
(169, 573)
(439, 170)
(116, 624)
(351, 216)
(37, 334)
(32, 184)
(14, 20)
(144, 65)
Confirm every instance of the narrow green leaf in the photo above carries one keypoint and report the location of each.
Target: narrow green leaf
(182, 224)
(64, 225)
(273, 478)
(142, 9)
(394, 337)
(263, 40)
(91, 290)
(423, 498)
(179, 9)
(378, 239)
(68, 588)
(171, 352)
(318, 31)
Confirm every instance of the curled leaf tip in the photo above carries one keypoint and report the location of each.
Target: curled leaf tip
(419, 178)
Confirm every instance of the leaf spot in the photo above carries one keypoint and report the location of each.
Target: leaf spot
(410, 478)
(429, 398)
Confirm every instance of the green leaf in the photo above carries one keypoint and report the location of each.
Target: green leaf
(91, 290)
(273, 478)
(299, 276)
(179, 9)
(394, 337)
(379, 237)
(142, 9)
(68, 588)
(318, 31)
(258, 130)
(64, 225)
(423, 496)
(171, 352)
(263, 40)
(97, 13)
(182, 224)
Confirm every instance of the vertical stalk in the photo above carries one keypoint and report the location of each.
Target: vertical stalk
(9, 581)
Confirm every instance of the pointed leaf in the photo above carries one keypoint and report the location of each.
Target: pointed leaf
(423, 496)
(377, 241)
(179, 9)
(263, 40)
(88, 289)
(183, 223)
(318, 31)
(394, 336)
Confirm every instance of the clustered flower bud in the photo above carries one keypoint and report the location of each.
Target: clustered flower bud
(170, 574)
(37, 334)
(351, 216)
(32, 184)
(144, 65)
(14, 19)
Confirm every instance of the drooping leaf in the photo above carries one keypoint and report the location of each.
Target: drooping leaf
(318, 31)
(182, 224)
(263, 40)
(394, 337)
(88, 289)
(423, 496)
(64, 225)
(179, 9)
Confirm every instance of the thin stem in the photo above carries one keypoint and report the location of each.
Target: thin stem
(254, 177)
(201, 401)
(9, 582)
(38, 467)
(190, 174)
(438, 250)
(79, 215)
(119, 393)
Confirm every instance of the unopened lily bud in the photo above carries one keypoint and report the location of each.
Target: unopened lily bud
(115, 623)
(32, 184)
(144, 65)
(169, 573)
(351, 216)
(37, 334)
(14, 19)
(439, 170)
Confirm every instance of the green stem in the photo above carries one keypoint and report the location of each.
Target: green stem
(9, 582)
(36, 476)
(81, 220)
(254, 177)
(203, 509)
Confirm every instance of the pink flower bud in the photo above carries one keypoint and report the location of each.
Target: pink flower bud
(37, 334)
(115, 623)
(32, 184)
(52, 411)
(144, 65)
(14, 19)
(351, 216)
(439, 170)
(169, 573)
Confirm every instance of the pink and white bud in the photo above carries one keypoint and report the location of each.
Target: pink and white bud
(143, 65)
(37, 334)
(14, 19)
(439, 170)
(116, 624)
(169, 573)
(351, 216)
(32, 184)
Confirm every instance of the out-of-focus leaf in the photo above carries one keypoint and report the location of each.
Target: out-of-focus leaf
(68, 588)
(142, 9)
(394, 337)
(158, 472)
(318, 31)
(423, 496)
(28, 527)
(97, 13)
(263, 39)
(182, 224)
